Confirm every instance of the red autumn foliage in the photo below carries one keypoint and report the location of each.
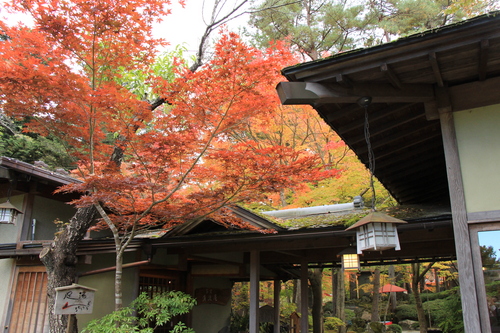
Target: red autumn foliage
(180, 160)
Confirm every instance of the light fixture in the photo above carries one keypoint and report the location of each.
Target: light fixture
(377, 232)
(8, 212)
(350, 259)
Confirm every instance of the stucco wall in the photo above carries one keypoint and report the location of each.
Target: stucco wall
(211, 318)
(105, 284)
(46, 211)
(6, 268)
(478, 138)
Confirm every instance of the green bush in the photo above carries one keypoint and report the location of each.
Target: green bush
(406, 311)
(377, 327)
(450, 319)
(239, 323)
(394, 328)
(145, 314)
(333, 323)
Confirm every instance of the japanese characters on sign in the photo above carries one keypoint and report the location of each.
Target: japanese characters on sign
(74, 299)
(212, 296)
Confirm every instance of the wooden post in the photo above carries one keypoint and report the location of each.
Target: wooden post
(304, 297)
(460, 225)
(254, 291)
(276, 303)
(71, 322)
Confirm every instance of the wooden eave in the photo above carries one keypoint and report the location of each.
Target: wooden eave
(428, 239)
(411, 81)
(42, 174)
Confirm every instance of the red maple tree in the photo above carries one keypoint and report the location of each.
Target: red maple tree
(143, 162)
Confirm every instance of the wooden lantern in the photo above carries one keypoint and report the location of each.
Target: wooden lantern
(376, 232)
(8, 212)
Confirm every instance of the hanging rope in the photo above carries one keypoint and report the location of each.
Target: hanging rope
(364, 102)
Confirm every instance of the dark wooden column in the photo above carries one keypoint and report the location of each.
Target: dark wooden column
(276, 303)
(254, 291)
(304, 297)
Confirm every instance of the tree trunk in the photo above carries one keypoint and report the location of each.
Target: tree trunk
(335, 272)
(315, 277)
(376, 296)
(118, 281)
(436, 279)
(392, 295)
(296, 294)
(416, 278)
(415, 286)
(60, 261)
(339, 304)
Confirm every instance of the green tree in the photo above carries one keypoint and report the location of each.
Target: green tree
(313, 27)
(31, 147)
(318, 28)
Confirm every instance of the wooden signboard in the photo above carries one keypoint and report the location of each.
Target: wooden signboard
(212, 296)
(74, 299)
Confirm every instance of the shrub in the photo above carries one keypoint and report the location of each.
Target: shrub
(349, 315)
(333, 323)
(145, 312)
(406, 311)
(377, 327)
(450, 319)
(394, 328)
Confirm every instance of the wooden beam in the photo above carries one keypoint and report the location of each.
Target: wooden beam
(388, 126)
(435, 69)
(310, 93)
(483, 59)
(391, 76)
(379, 114)
(431, 112)
(344, 81)
(394, 137)
(485, 93)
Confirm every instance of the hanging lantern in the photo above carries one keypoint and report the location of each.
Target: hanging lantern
(350, 259)
(377, 232)
(8, 212)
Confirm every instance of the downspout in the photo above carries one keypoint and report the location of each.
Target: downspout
(112, 268)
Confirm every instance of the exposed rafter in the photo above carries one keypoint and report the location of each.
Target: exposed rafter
(483, 59)
(391, 76)
(310, 93)
(435, 68)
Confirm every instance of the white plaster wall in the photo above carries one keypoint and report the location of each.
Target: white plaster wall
(6, 271)
(46, 211)
(478, 138)
(104, 300)
(211, 318)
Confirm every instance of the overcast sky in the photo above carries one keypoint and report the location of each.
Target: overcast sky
(187, 25)
(184, 26)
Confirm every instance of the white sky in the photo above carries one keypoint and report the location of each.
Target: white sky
(184, 26)
(187, 25)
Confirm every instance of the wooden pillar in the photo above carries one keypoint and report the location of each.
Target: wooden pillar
(254, 291)
(304, 297)
(276, 303)
(460, 225)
